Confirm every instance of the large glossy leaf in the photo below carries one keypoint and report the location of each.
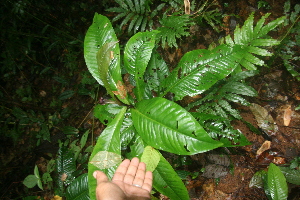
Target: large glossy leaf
(99, 33)
(109, 146)
(167, 182)
(277, 183)
(78, 189)
(137, 54)
(167, 126)
(102, 56)
(198, 70)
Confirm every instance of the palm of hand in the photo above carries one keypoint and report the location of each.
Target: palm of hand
(122, 186)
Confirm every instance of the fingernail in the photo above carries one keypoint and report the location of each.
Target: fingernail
(95, 174)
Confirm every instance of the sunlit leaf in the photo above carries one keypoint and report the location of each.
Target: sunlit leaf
(150, 157)
(105, 159)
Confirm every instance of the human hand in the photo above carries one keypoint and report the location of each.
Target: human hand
(130, 181)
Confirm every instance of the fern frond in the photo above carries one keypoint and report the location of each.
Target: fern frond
(216, 99)
(220, 128)
(173, 27)
(251, 39)
(200, 69)
(136, 13)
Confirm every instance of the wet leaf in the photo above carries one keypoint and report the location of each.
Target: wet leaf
(105, 159)
(264, 120)
(277, 183)
(257, 179)
(291, 175)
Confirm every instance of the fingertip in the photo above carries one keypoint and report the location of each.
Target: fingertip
(95, 174)
(100, 176)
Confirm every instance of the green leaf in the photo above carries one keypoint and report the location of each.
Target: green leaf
(156, 72)
(84, 139)
(98, 34)
(36, 172)
(30, 181)
(257, 179)
(167, 126)
(277, 183)
(198, 70)
(109, 73)
(108, 144)
(66, 95)
(291, 175)
(150, 157)
(173, 27)
(78, 189)
(137, 54)
(167, 182)
(65, 165)
(70, 130)
(106, 113)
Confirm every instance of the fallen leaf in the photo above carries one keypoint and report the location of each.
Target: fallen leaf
(264, 120)
(265, 146)
(287, 115)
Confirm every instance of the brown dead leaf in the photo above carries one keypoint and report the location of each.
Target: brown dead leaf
(265, 146)
(287, 115)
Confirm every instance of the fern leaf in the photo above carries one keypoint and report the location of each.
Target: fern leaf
(144, 24)
(116, 9)
(119, 16)
(142, 6)
(173, 27)
(138, 23)
(226, 106)
(258, 51)
(137, 6)
(127, 18)
(236, 99)
(122, 4)
(215, 101)
(132, 23)
(130, 4)
(158, 8)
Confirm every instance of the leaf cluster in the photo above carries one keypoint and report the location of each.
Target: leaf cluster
(146, 116)
(274, 181)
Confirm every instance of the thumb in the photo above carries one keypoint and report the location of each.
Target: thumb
(100, 176)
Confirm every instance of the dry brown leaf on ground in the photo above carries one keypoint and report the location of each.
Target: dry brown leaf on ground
(264, 120)
(265, 146)
(287, 115)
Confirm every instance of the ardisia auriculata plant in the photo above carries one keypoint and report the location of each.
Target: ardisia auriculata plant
(146, 117)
